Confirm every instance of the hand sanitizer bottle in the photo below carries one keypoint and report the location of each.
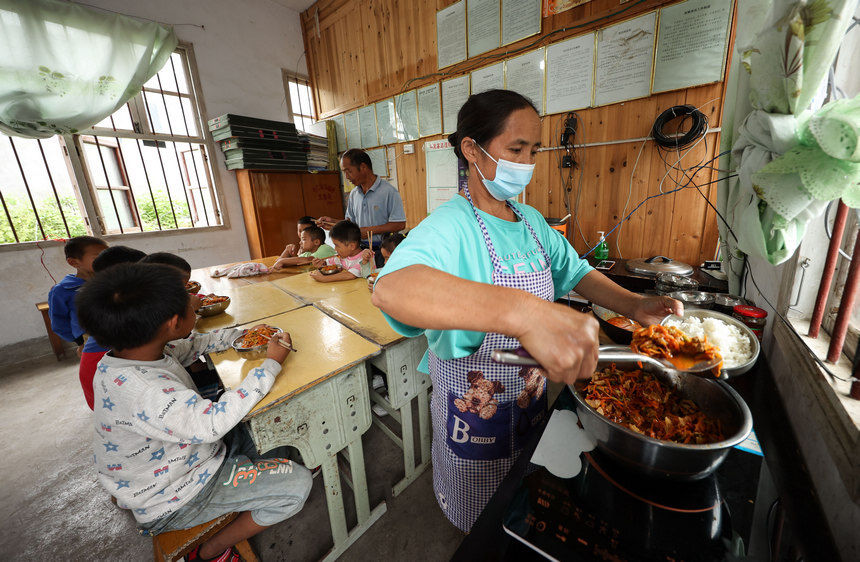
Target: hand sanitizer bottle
(602, 250)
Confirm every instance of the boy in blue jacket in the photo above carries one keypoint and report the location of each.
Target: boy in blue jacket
(80, 252)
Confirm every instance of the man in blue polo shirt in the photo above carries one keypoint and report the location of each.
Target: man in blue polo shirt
(374, 205)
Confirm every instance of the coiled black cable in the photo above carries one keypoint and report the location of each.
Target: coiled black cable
(698, 128)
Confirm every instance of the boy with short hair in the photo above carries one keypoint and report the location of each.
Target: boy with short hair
(312, 246)
(80, 252)
(347, 239)
(159, 446)
(166, 258)
(93, 351)
(292, 250)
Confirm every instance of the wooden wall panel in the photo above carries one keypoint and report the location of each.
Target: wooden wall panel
(367, 50)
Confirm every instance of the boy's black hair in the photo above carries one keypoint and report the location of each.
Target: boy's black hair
(316, 233)
(358, 157)
(125, 307)
(115, 255)
(166, 258)
(391, 240)
(307, 220)
(75, 247)
(345, 232)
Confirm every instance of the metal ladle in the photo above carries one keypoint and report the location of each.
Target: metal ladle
(520, 356)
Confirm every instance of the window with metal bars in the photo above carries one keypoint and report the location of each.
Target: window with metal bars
(145, 168)
(298, 95)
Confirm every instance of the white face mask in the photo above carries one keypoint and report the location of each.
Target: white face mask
(511, 177)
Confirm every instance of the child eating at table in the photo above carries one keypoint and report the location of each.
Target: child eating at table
(312, 246)
(80, 252)
(93, 351)
(291, 250)
(390, 240)
(174, 458)
(353, 261)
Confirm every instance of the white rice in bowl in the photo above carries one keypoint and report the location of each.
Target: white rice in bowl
(734, 345)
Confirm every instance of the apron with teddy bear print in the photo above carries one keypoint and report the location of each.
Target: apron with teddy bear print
(483, 412)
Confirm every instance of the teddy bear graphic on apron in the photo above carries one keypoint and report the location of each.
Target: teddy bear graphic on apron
(483, 412)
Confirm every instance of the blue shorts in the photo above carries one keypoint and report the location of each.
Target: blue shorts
(272, 488)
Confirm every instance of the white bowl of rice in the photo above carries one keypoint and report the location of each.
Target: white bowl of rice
(736, 342)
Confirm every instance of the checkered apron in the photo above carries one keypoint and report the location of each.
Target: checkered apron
(479, 426)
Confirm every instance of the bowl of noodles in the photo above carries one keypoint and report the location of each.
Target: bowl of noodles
(210, 305)
(254, 342)
(660, 422)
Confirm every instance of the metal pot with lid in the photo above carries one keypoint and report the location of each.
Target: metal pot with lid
(658, 264)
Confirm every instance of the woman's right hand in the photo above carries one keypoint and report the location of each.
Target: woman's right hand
(562, 340)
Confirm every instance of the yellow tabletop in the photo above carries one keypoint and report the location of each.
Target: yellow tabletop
(355, 310)
(325, 348)
(218, 285)
(247, 304)
(305, 288)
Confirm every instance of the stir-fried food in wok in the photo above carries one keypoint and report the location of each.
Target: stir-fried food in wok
(642, 402)
(257, 336)
(668, 342)
(624, 323)
(206, 300)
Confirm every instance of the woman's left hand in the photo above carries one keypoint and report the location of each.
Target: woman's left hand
(652, 310)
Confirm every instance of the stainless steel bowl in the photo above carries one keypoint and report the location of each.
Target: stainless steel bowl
(252, 353)
(666, 459)
(213, 309)
(192, 286)
(754, 343)
(698, 299)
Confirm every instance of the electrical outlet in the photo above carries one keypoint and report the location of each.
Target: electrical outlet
(408, 149)
(566, 161)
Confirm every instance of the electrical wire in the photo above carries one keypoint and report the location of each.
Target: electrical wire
(629, 194)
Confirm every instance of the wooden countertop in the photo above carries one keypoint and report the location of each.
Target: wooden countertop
(355, 310)
(325, 348)
(249, 303)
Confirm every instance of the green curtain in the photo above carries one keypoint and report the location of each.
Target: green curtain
(783, 52)
(66, 67)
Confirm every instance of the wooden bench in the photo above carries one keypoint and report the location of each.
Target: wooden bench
(173, 545)
(56, 341)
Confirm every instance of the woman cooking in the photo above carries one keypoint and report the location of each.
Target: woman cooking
(481, 273)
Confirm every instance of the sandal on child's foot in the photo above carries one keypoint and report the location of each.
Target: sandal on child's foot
(229, 555)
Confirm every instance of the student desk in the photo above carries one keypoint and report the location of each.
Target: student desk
(399, 361)
(249, 303)
(219, 285)
(304, 288)
(318, 404)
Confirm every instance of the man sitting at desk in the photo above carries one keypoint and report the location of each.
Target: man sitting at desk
(374, 205)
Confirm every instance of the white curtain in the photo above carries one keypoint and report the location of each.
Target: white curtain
(65, 67)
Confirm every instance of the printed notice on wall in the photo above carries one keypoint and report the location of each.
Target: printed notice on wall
(520, 19)
(367, 125)
(569, 74)
(451, 34)
(691, 44)
(429, 110)
(525, 75)
(625, 53)
(484, 26)
(553, 7)
(353, 131)
(441, 165)
(340, 133)
(386, 124)
(406, 109)
(488, 78)
(455, 92)
(378, 161)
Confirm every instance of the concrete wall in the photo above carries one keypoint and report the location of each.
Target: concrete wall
(240, 53)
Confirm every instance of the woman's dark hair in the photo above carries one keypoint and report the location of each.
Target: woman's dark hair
(315, 233)
(166, 258)
(115, 255)
(358, 157)
(346, 232)
(126, 306)
(75, 247)
(483, 116)
(391, 240)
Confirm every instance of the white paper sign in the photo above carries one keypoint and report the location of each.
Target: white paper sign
(691, 44)
(525, 75)
(386, 123)
(484, 25)
(378, 161)
(455, 92)
(625, 53)
(488, 78)
(441, 165)
(429, 110)
(406, 109)
(569, 74)
(451, 34)
(520, 19)
(367, 126)
(340, 132)
(353, 131)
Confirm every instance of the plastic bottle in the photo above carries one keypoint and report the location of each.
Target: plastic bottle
(602, 250)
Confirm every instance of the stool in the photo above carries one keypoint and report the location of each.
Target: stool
(172, 545)
(56, 341)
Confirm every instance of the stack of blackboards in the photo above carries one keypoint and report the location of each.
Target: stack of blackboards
(260, 144)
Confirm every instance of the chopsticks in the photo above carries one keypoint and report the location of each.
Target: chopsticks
(281, 343)
(370, 246)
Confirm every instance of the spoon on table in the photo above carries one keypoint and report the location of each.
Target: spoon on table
(520, 356)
